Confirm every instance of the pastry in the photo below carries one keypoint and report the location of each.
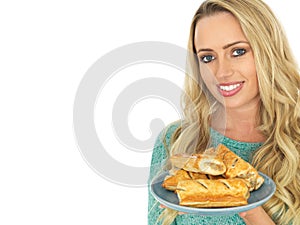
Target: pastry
(237, 167)
(200, 163)
(170, 182)
(212, 193)
(216, 178)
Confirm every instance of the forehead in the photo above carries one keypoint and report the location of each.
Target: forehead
(218, 30)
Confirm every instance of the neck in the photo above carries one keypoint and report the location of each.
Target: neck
(239, 124)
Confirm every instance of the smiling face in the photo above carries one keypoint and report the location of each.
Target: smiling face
(226, 61)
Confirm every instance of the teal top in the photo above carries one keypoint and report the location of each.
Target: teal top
(159, 155)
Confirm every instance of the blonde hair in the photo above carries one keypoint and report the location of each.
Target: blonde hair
(279, 83)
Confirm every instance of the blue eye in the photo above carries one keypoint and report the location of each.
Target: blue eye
(239, 52)
(207, 58)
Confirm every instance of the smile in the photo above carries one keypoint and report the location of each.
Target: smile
(230, 89)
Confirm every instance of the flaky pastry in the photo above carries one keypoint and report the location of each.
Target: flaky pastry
(212, 193)
(199, 163)
(216, 178)
(171, 181)
(237, 167)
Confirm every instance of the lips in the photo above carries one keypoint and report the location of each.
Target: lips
(230, 89)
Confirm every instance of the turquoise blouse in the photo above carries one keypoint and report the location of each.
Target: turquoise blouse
(159, 155)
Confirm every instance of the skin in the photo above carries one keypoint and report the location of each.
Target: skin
(226, 59)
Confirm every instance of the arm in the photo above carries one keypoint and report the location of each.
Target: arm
(154, 209)
(159, 154)
(256, 216)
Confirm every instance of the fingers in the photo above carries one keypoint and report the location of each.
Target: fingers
(243, 214)
(162, 206)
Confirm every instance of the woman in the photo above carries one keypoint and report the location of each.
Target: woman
(243, 92)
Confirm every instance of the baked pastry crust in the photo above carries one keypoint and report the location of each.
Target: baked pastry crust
(216, 178)
(236, 167)
(170, 182)
(201, 163)
(212, 193)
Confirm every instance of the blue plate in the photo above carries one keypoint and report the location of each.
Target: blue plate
(170, 200)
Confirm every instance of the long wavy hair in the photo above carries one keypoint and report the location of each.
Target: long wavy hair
(279, 84)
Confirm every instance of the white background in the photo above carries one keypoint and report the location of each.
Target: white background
(46, 48)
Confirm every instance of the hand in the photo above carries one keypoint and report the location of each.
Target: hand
(256, 216)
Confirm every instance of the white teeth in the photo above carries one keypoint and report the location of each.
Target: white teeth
(230, 87)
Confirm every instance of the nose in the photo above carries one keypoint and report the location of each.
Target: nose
(224, 68)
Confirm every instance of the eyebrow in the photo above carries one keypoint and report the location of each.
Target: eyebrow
(224, 47)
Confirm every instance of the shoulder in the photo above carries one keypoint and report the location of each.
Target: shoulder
(166, 134)
(162, 144)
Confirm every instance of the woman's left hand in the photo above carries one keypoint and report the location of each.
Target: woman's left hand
(256, 216)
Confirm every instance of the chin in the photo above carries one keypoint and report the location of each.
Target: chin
(232, 105)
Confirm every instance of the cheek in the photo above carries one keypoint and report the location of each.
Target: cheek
(207, 75)
(210, 81)
(250, 72)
